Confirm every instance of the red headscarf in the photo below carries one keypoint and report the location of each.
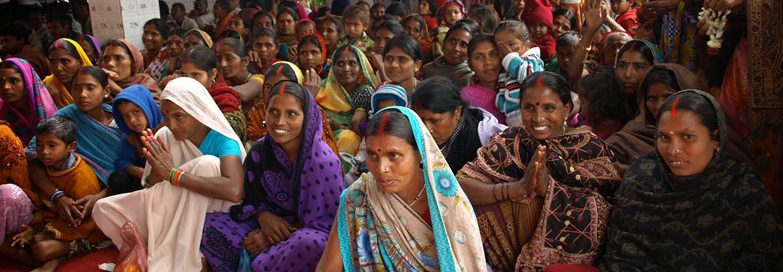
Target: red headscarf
(538, 11)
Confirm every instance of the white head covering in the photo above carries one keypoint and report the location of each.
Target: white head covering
(194, 99)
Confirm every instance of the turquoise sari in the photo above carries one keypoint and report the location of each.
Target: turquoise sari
(379, 232)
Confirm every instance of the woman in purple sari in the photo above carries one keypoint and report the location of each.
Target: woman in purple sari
(293, 182)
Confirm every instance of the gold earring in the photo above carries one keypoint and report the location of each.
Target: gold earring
(565, 124)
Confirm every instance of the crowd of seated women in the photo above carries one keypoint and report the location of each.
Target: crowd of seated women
(291, 137)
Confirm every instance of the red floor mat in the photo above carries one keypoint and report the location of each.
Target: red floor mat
(87, 262)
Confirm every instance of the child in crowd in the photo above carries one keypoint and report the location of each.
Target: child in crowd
(538, 19)
(331, 29)
(519, 61)
(626, 16)
(449, 13)
(377, 11)
(355, 22)
(134, 111)
(386, 95)
(303, 28)
(566, 46)
(54, 234)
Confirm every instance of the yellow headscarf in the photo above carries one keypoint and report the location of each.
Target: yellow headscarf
(332, 95)
(65, 97)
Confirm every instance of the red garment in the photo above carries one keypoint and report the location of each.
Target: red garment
(538, 11)
(432, 24)
(225, 97)
(547, 45)
(629, 20)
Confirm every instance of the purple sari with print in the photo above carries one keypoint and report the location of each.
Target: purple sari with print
(306, 195)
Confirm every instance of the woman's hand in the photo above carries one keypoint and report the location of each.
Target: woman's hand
(293, 53)
(375, 59)
(541, 171)
(595, 16)
(157, 154)
(114, 88)
(23, 238)
(274, 228)
(312, 81)
(536, 175)
(255, 242)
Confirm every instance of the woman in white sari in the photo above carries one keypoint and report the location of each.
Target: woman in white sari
(194, 166)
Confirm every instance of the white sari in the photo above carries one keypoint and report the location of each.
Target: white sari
(170, 219)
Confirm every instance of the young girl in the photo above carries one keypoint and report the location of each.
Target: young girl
(200, 64)
(519, 61)
(449, 13)
(402, 61)
(233, 61)
(312, 55)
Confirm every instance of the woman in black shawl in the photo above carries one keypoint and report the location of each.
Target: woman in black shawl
(690, 206)
(458, 129)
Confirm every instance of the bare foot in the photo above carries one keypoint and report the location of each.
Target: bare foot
(48, 266)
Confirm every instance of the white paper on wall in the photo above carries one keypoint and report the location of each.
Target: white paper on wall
(122, 19)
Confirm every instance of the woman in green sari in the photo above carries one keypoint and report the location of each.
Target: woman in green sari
(345, 96)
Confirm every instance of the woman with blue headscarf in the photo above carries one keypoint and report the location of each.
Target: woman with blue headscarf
(409, 212)
(135, 111)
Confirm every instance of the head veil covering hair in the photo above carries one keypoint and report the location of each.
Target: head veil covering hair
(270, 164)
(137, 75)
(443, 6)
(332, 96)
(378, 230)
(637, 137)
(725, 206)
(257, 113)
(657, 56)
(194, 99)
(38, 99)
(321, 46)
(204, 36)
(94, 43)
(389, 91)
(297, 71)
(63, 91)
(141, 97)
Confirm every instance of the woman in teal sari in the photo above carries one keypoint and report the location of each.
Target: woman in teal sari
(409, 213)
